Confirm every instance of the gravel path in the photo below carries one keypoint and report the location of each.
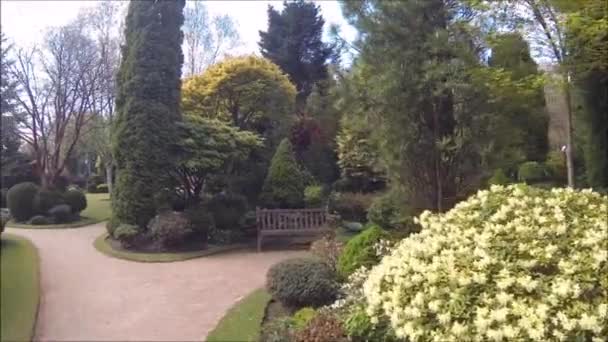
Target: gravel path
(88, 296)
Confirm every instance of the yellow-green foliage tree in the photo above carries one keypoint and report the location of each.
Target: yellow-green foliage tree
(250, 92)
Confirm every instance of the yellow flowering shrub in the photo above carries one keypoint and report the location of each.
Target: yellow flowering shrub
(510, 263)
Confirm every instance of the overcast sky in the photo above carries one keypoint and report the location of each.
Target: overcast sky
(25, 22)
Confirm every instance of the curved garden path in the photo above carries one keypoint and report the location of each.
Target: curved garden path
(88, 296)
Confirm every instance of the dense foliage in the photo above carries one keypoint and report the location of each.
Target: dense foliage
(147, 107)
(361, 251)
(20, 201)
(76, 200)
(301, 282)
(285, 182)
(500, 265)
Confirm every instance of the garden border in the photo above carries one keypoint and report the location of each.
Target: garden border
(103, 247)
(83, 222)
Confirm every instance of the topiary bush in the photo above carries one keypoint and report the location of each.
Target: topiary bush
(20, 201)
(361, 251)
(46, 199)
(313, 196)
(76, 200)
(301, 282)
(170, 229)
(40, 220)
(324, 327)
(513, 263)
(61, 213)
(285, 181)
(351, 206)
(531, 172)
(228, 210)
(126, 234)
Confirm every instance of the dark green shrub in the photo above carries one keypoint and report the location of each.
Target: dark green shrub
(170, 229)
(224, 237)
(499, 178)
(324, 327)
(20, 201)
(102, 188)
(126, 234)
(351, 206)
(47, 199)
(390, 211)
(531, 172)
(285, 181)
(76, 200)
(313, 196)
(556, 166)
(201, 222)
(360, 251)
(228, 210)
(61, 184)
(40, 220)
(61, 213)
(301, 282)
(3, 192)
(4, 218)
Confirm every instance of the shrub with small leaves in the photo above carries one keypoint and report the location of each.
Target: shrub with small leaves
(301, 282)
(40, 220)
(126, 234)
(513, 263)
(361, 251)
(76, 200)
(20, 201)
(327, 249)
(301, 318)
(313, 196)
(278, 330)
(532, 172)
(228, 210)
(322, 328)
(499, 178)
(556, 166)
(61, 213)
(201, 222)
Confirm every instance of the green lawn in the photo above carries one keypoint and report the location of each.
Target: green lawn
(243, 321)
(19, 288)
(98, 207)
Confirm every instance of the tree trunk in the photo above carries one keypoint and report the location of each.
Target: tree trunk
(569, 145)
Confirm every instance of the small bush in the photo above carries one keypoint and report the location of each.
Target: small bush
(556, 166)
(301, 282)
(499, 178)
(361, 251)
(390, 211)
(170, 229)
(47, 199)
(351, 206)
(313, 196)
(322, 328)
(40, 220)
(531, 172)
(201, 222)
(76, 200)
(228, 210)
(61, 213)
(3, 192)
(224, 237)
(102, 188)
(301, 318)
(20, 201)
(126, 234)
(327, 249)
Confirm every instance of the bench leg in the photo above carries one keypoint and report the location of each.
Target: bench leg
(259, 243)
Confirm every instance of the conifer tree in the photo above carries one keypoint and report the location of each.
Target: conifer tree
(147, 106)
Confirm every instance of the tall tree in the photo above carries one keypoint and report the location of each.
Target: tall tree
(147, 107)
(293, 41)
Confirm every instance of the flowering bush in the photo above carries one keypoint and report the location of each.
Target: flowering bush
(510, 263)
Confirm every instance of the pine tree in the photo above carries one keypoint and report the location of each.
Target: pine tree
(293, 42)
(147, 107)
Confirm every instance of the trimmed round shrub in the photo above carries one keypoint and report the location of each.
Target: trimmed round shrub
(126, 234)
(61, 213)
(301, 282)
(313, 196)
(46, 199)
(20, 200)
(40, 220)
(170, 229)
(228, 210)
(323, 327)
(499, 178)
(351, 206)
(76, 200)
(512, 263)
(3, 192)
(361, 251)
(532, 172)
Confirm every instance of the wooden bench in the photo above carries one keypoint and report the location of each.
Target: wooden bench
(290, 222)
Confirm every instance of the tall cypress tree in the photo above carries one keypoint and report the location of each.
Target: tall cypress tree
(293, 42)
(147, 107)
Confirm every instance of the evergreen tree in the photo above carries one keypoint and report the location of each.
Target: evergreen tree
(147, 106)
(285, 181)
(293, 42)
